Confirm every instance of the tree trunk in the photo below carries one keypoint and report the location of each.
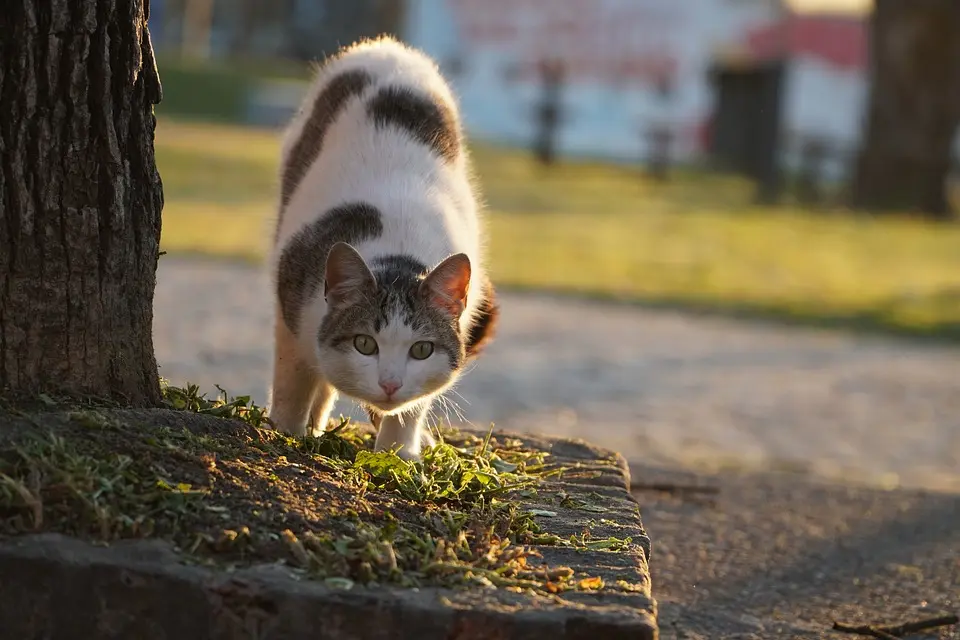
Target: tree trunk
(197, 24)
(389, 16)
(914, 107)
(247, 18)
(80, 199)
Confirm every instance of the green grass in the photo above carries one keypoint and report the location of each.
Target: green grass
(228, 490)
(217, 91)
(589, 228)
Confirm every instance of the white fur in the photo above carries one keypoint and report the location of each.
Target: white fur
(429, 211)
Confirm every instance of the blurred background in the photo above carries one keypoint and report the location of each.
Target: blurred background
(723, 229)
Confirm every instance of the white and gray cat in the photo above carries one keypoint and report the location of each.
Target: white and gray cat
(378, 261)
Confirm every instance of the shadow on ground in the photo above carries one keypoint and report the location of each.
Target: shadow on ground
(783, 557)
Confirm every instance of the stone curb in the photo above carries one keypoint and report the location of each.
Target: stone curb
(56, 587)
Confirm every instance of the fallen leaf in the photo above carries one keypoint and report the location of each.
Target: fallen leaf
(591, 583)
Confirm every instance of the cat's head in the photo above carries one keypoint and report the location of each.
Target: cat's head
(391, 337)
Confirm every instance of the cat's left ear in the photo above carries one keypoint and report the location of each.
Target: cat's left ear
(446, 285)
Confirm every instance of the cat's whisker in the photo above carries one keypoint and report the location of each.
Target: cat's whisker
(434, 428)
(440, 404)
(467, 368)
(431, 422)
(450, 403)
(444, 403)
(461, 414)
(460, 395)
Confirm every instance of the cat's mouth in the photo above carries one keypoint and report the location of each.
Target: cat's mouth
(389, 405)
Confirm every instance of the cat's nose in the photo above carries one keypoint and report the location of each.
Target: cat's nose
(390, 386)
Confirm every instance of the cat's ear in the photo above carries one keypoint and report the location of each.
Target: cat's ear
(347, 278)
(446, 285)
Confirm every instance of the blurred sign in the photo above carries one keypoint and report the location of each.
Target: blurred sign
(607, 41)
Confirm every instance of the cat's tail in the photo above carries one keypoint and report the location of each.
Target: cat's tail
(485, 322)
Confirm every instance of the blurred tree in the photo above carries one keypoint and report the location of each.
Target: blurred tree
(914, 107)
(80, 199)
(246, 21)
(197, 25)
(389, 16)
(319, 28)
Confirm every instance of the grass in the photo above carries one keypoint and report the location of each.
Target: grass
(211, 476)
(217, 91)
(589, 228)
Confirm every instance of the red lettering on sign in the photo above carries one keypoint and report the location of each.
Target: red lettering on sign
(597, 40)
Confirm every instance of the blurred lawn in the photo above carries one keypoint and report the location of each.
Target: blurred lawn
(214, 90)
(695, 242)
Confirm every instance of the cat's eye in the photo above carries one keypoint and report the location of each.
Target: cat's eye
(365, 344)
(421, 350)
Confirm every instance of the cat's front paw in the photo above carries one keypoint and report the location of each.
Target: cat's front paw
(416, 453)
(404, 451)
(427, 441)
(296, 428)
(409, 455)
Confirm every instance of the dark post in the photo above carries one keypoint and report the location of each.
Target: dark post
(813, 154)
(548, 114)
(659, 135)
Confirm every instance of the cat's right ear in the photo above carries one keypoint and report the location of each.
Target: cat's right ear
(348, 280)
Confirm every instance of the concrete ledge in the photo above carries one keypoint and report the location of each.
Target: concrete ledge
(56, 587)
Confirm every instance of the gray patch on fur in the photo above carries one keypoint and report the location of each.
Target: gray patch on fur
(399, 278)
(328, 105)
(300, 273)
(397, 296)
(427, 119)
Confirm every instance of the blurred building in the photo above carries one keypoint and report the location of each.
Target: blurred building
(749, 83)
(630, 62)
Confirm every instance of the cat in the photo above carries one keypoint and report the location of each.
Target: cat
(378, 259)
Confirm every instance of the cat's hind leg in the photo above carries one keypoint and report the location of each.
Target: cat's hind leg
(300, 398)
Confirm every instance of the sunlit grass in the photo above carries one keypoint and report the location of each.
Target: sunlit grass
(605, 230)
(212, 477)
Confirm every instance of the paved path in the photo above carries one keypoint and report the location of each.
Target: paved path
(660, 387)
(777, 556)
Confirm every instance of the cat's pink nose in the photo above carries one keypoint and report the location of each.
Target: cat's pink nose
(390, 386)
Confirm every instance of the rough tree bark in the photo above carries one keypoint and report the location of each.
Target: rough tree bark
(80, 199)
(914, 107)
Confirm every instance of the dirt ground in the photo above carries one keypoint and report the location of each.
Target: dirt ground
(208, 484)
